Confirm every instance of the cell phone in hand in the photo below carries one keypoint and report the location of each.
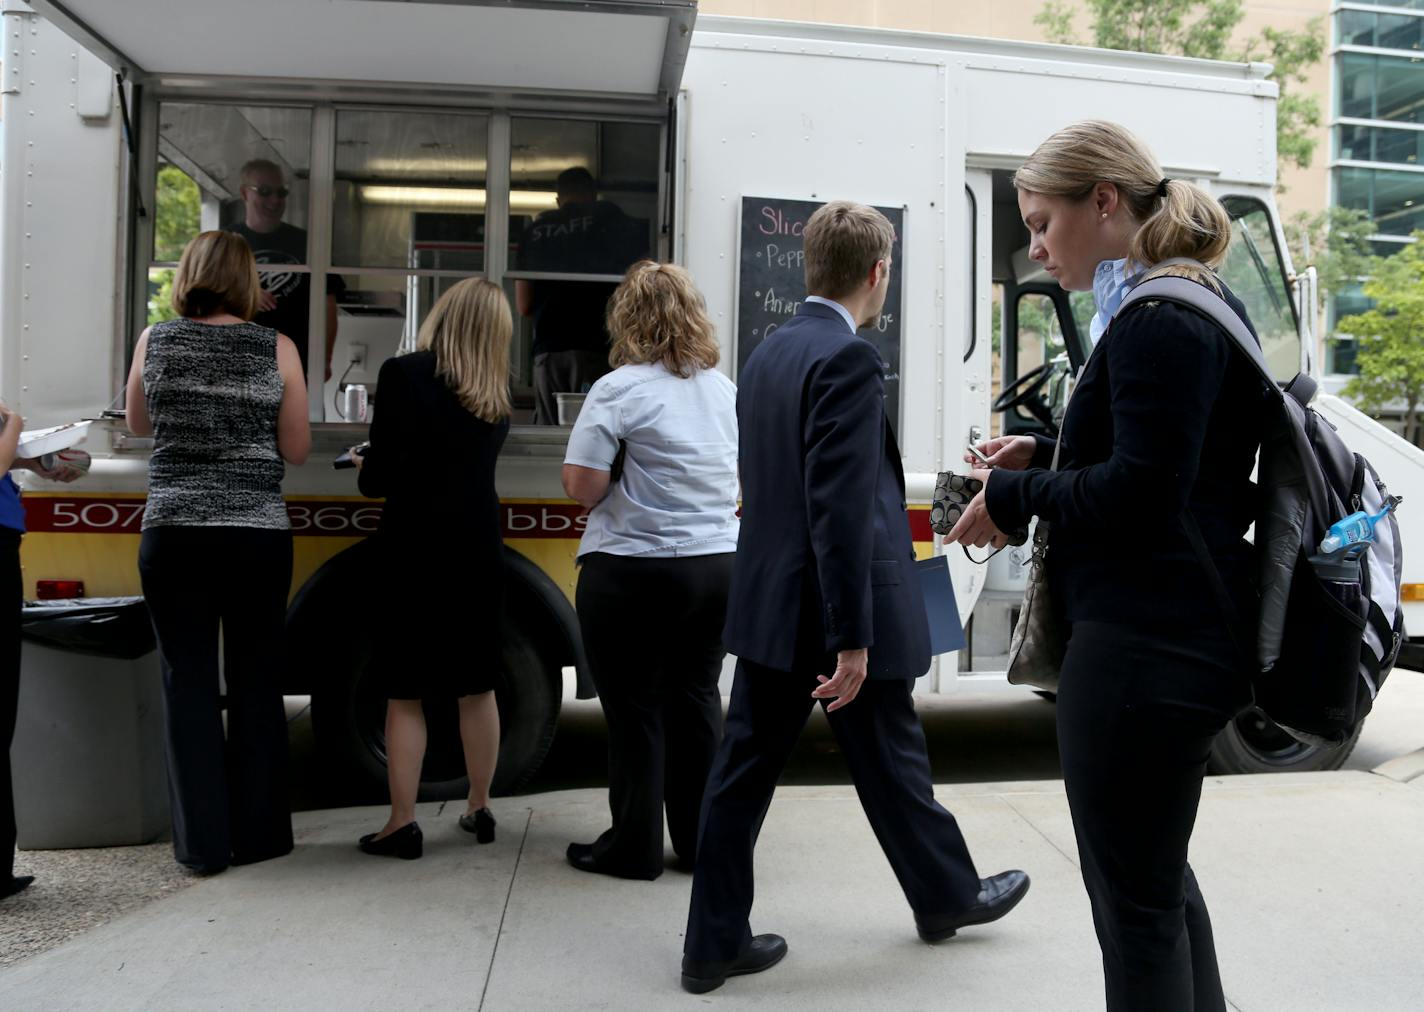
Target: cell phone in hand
(974, 452)
(344, 461)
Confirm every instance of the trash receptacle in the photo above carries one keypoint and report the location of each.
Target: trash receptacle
(88, 754)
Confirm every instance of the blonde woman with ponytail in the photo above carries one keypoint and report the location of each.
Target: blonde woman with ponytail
(1162, 432)
(441, 416)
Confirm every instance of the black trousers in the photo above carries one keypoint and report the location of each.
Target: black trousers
(652, 629)
(229, 797)
(884, 746)
(1137, 712)
(11, 603)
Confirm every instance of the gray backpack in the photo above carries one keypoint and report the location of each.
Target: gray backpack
(1328, 633)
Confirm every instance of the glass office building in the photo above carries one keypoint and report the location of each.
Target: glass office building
(1377, 131)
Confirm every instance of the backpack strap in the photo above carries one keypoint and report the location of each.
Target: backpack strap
(1205, 302)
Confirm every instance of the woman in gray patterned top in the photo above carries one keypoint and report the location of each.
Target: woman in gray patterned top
(226, 404)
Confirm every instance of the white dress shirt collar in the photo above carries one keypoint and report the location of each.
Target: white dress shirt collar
(845, 313)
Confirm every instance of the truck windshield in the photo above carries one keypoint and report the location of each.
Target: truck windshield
(1255, 272)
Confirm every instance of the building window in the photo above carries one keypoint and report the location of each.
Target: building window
(1395, 200)
(1381, 87)
(1383, 31)
(1410, 4)
(1357, 143)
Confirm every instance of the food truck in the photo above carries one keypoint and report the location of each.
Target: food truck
(407, 145)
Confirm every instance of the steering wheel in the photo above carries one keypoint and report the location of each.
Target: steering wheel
(1027, 392)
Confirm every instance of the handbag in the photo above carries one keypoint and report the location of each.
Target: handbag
(1040, 638)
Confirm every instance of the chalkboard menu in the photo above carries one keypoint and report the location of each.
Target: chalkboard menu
(771, 283)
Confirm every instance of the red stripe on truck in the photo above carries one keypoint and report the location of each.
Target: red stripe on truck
(340, 518)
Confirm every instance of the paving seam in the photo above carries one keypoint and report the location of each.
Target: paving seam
(1029, 822)
(509, 893)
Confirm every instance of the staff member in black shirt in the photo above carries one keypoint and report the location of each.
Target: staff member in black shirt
(285, 298)
(584, 235)
(1162, 429)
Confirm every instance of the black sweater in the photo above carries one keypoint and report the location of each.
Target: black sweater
(1167, 415)
(432, 460)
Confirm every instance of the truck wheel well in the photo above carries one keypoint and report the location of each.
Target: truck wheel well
(543, 609)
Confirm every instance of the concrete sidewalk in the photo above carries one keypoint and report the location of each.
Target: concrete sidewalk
(1312, 880)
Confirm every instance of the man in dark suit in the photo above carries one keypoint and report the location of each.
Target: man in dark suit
(826, 605)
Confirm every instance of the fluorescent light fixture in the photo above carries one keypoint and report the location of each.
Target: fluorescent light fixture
(453, 196)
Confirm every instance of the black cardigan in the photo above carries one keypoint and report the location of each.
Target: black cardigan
(1167, 415)
(432, 460)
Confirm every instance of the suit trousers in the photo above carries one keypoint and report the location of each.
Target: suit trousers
(883, 743)
(1137, 713)
(657, 682)
(229, 795)
(11, 603)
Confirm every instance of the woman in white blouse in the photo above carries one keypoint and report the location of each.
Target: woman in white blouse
(654, 458)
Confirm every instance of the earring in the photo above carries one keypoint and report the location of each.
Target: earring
(1105, 214)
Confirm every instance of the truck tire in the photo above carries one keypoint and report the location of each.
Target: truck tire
(1253, 744)
(329, 654)
(348, 719)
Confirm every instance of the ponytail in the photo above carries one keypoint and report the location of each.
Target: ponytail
(1179, 219)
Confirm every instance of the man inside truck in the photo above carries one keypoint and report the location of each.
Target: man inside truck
(285, 300)
(583, 235)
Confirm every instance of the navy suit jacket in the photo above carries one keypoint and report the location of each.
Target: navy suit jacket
(824, 559)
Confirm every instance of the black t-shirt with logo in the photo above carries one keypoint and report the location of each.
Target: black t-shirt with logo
(286, 244)
(586, 238)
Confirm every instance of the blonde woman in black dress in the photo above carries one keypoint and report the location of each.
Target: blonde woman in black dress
(442, 413)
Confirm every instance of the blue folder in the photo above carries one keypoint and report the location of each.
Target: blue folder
(946, 633)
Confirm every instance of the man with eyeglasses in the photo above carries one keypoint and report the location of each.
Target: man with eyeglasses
(285, 299)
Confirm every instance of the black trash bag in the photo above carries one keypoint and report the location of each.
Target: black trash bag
(98, 626)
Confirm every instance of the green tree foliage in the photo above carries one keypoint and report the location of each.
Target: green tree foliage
(176, 219)
(1297, 115)
(160, 295)
(1389, 351)
(176, 212)
(1203, 28)
(1337, 242)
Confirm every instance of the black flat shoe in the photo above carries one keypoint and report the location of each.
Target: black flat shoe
(17, 884)
(481, 823)
(580, 855)
(998, 894)
(406, 843)
(764, 953)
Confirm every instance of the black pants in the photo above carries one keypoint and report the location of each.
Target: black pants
(884, 746)
(652, 629)
(1137, 712)
(11, 603)
(229, 798)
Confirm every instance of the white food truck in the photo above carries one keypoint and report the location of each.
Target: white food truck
(416, 143)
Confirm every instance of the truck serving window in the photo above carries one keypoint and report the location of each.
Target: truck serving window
(584, 200)
(237, 167)
(1255, 271)
(408, 202)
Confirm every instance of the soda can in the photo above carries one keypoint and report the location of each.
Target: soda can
(356, 405)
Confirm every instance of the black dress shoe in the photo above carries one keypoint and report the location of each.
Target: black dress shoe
(406, 843)
(764, 953)
(16, 884)
(481, 823)
(998, 895)
(580, 855)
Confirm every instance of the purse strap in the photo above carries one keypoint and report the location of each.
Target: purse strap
(1058, 443)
